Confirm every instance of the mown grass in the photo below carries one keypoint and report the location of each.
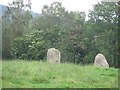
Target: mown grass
(37, 74)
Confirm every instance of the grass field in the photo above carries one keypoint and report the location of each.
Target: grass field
(36, 74)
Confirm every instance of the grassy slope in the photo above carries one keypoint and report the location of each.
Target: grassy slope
(24, 74)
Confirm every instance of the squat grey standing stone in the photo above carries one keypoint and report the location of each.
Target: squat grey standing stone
(101, 61)
(53, 55)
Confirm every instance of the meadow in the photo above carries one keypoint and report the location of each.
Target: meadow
(38, 74)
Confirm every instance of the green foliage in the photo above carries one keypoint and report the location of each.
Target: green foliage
(89, 58)
(14, 24)
(102, 31)
(62, 30)
(29, 46)
(78, 40)
(38, 74)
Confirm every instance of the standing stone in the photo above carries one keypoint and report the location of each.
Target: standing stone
(53, 55)
(101, 61)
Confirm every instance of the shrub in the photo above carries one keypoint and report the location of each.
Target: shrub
(29, 46)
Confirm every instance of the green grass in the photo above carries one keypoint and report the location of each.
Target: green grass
(36, 74)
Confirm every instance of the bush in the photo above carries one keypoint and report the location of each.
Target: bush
(89, 58)
(29, 47)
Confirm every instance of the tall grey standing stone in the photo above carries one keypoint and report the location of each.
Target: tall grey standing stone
(101, 61)
(53, 55)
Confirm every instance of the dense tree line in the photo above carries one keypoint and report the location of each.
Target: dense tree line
(78, 40)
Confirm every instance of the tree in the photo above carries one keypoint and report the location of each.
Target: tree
(15, 21)
(78, 40)
(30, 47)
(102, 31)
(58, 27)
(0, 37)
